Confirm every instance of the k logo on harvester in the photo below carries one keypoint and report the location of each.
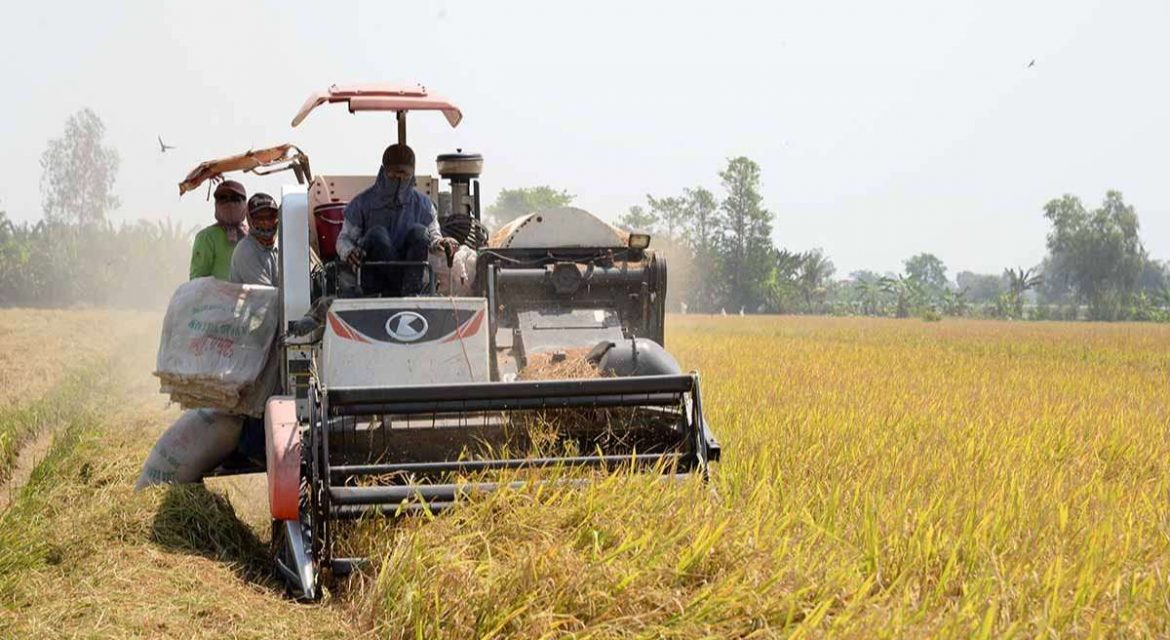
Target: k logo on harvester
(406, 326)
(403, 326)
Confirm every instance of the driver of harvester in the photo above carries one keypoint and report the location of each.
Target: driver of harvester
(392, 221)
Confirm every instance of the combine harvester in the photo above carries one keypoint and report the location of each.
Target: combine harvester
(407, 404)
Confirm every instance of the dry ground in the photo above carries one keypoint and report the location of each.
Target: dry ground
(882, 478)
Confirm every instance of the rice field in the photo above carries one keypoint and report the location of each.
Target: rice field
(881, 478)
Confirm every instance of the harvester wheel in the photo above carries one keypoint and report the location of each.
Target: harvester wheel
(298, 566)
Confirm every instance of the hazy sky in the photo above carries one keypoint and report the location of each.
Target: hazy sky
(883, 128)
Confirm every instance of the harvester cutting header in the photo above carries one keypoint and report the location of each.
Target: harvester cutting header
(405, 379)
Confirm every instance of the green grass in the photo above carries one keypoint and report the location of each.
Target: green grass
(83, 555)
(58, 407)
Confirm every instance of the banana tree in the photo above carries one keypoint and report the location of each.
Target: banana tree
(1019, 281)
(870, 296)
(910, 295)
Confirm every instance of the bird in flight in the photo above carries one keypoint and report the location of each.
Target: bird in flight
(1032, 63)
(163, 146)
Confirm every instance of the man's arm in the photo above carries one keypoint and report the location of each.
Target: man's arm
(202, 257)
(434, 234)
(351, 231)
(243, 269)
(236, 269)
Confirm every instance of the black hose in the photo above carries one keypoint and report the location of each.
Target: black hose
(465, 229)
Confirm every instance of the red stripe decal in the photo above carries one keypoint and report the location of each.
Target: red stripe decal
(344, 331)
(469, 328)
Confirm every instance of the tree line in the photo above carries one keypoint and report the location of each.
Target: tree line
(723, 260)
(718, 246)
(74, 256)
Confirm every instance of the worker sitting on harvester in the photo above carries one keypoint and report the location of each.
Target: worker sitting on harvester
(203, 439)
(255, 259)
(392, 221)
(211, 254)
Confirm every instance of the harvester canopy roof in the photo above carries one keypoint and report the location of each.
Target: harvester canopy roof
(381, 97)
(250, 160)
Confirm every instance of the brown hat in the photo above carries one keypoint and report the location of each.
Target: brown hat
(231, 186)
(398, 155)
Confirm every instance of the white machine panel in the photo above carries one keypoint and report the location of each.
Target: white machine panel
(386, 342)
(294, 252)
(562, 227)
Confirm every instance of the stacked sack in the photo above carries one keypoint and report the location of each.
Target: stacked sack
(216, 349)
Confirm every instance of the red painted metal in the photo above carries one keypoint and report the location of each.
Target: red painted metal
(381, 97)
(282, 444)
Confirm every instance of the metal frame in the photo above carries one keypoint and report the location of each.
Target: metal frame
(693, 450)
(432, 280)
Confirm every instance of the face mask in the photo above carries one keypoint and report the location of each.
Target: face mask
(399, 188)
(263, 230)
(232, 216)
(230, 212)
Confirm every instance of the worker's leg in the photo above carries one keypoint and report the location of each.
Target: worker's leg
(380, 280)
(415, 247)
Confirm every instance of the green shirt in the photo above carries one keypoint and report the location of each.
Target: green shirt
(211, 254)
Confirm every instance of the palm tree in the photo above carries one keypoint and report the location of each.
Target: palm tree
(783, 284)
(909, 295)
(813, 277)
(1019, 281)
(954, 303)
(869, 293)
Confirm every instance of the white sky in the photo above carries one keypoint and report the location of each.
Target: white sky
(883, 128)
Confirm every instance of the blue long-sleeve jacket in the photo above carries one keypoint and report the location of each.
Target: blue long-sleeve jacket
(379, 205)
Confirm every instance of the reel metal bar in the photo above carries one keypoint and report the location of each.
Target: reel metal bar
(535, 389)
(512, 404)
(427, 492)
(395, 495)
(465, 466)
(354, 512)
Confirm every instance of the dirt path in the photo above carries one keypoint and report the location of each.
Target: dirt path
(84, 555)
(30, 456)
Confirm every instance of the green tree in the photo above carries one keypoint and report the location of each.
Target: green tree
(783, 289)
(699, 210)
(79, 172)
(954, 303)
(980, 288)
(1155, 277)
(638, 219)
(743, 229)
(1011, 302)
(929, 270)
(814, 277)
(513, 203)
(1097, 254)
(869, 297)
(670, 213)
(909, 295)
